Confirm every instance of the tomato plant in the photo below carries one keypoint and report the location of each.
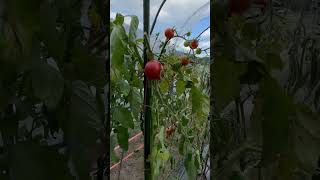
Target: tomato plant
(179, 97)
(258, 116)
(180, 106)
(52, 79)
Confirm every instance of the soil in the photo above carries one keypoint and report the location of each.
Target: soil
(131, 168)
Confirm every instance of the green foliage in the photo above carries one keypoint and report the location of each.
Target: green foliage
(118, 45)
(126, 84)
(189, 163)
(122, 137)
(33, 161)
(47, 84)
(250, 61)
(179, 101)
(276, 109)
(51, 77)
(226, 81)
(84, 117)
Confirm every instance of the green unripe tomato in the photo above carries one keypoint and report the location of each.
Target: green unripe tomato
(198, 51)
(186, 44)
(188, 33)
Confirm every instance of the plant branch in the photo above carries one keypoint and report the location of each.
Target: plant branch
(162, 49)
(202, 32)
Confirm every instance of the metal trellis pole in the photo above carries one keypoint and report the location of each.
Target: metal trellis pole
(212, 100)
(108, 92)
(147, 96)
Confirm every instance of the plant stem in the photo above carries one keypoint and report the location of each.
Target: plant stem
(162, 49)
(202, 32)
(122, 154)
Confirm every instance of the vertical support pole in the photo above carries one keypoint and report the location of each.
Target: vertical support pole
(107, 90)
(212, 100)
(147, 95)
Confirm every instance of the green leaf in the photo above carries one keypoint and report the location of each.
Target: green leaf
(274, 60)
(117, 46)
(164, 155)
(160, 136)
(176, 67)
(9, 123)
(25, 16)
(49, 35)
(197, 160)
(47, 84)
(181, 144)
(5, 96)
(123, 115)
(307, 148)
(189, 84)
(180, 87)
(31, 161)
(140, 40)
(88, 67)
(113, 155)
(164, 86)
(276, 109)
(83, 117)
(251, 30)
(190, 167)
(308, 120)
(119, 19)
(307, 137)
(123, 136)
(226, 81)
(135, 100)
(184, 120)
(236, 175)
(94, 16)
(124, 87)
(133, 28)
(196, 99)
(160, 156)
(255, 71)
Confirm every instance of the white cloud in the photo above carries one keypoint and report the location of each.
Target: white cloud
(204, 44)
(113, 15)
(180, 10)
(173, 13)
(127, 7)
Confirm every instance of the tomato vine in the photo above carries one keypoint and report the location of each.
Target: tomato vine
(179, 97)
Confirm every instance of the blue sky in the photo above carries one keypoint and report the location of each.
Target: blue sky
(174, 13)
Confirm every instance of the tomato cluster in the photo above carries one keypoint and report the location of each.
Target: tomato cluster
(153, 68)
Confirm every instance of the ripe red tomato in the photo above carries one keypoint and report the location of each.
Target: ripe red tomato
(184, 60)
(153, 70)
(194, 44)
(238, 7)
(169, 131)
(169, 33)
(262, 5)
